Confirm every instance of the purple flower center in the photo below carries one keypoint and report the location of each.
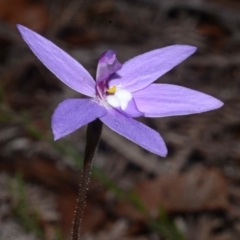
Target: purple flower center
(115, 96)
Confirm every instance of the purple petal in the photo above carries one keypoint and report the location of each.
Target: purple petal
(142, 70)
(72, 114)
(131, 110)
(161, 100)
(136, 132)
(67, 69)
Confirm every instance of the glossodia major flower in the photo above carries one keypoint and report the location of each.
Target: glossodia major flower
(120, 92)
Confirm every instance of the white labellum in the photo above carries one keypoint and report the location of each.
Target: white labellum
(120, 98)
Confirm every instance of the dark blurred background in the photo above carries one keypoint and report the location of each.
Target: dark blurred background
(193, 194)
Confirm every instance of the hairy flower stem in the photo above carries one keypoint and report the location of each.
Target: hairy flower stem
(94, 130)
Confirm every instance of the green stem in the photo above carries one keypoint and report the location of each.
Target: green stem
(94, 130)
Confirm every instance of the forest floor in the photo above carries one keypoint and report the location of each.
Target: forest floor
(193, 194)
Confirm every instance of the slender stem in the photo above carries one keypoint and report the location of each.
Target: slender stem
(94, 130)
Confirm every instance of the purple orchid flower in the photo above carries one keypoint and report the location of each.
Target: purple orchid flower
(121, 92)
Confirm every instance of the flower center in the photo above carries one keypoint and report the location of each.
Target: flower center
(118, 97)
